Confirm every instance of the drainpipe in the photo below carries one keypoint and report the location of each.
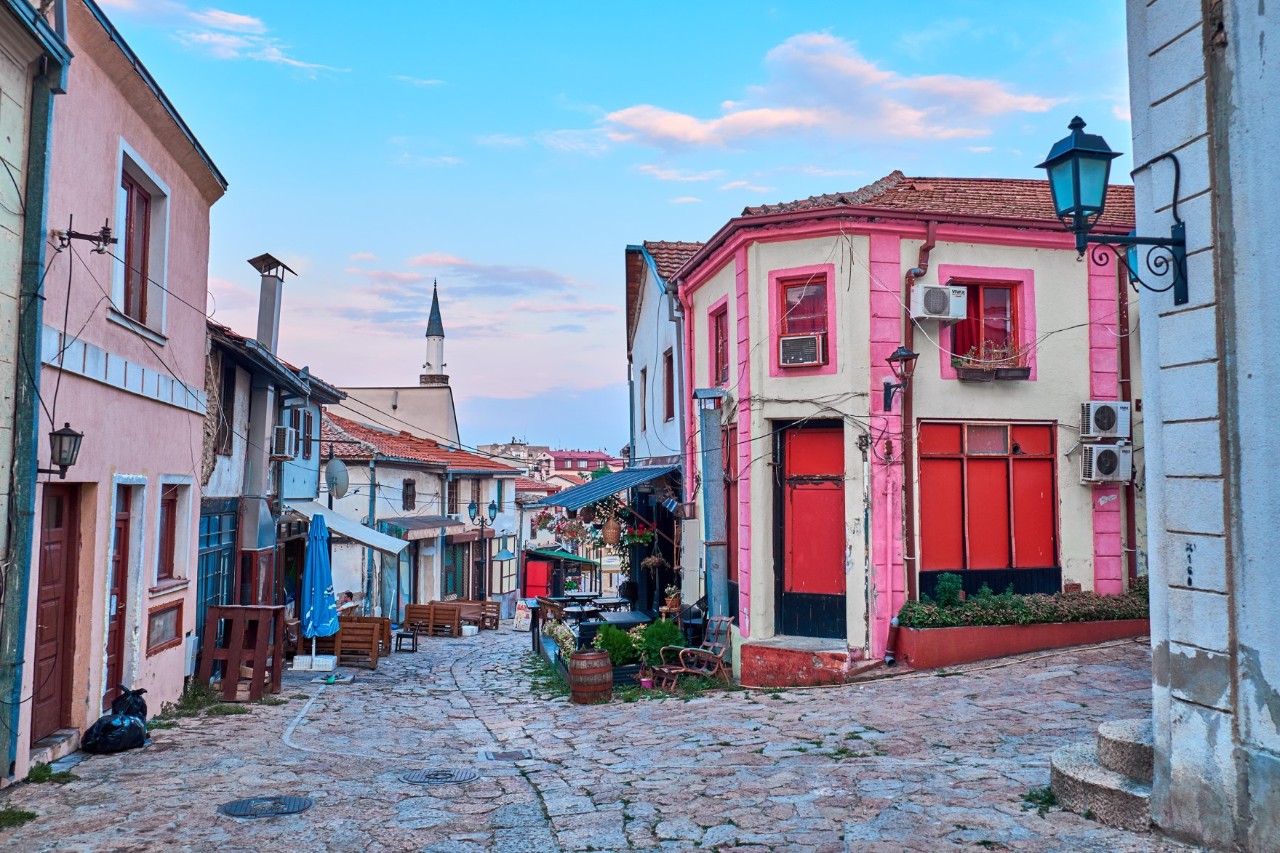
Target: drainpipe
(1126, 394)
(909, 562)
(373, 509)
(22, 494)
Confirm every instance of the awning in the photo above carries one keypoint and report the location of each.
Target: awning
(559, 554)
(415, 527)
(344, 526)
(593, 490)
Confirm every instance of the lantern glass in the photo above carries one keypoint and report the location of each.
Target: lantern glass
(1062, 184)
(493, 510)
(1093, 183)
(64, 446)
(903, 363)
(473, 510)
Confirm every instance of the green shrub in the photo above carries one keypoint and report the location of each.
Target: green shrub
(618, 644)
(1007, 608)
(947, 592)
(650, 639)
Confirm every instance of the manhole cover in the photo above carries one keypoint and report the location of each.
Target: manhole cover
(440, 777)
(266, 806)
(509, 755)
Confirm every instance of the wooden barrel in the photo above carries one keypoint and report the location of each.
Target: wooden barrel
(590, 677)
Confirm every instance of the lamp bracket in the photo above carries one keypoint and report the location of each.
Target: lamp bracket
(61, 472)
(1164, 256)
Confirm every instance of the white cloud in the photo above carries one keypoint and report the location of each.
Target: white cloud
(221, 20)
(417, 81)
(407, 158)
(362, 256)
(686, 199)
(677, 175)
(592, 142)
(745, 185)
(979, 149)
(500, 140)
(1122, 112)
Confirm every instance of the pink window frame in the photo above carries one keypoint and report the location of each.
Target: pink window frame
(1024, 284)
(776, 280)
(717, 307)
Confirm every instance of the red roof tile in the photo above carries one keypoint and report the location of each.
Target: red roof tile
(1004, 197)
(524, 484)
(668, 256)
(337, 432)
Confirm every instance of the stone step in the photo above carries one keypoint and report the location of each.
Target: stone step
(1082, 785)
(1125, 747)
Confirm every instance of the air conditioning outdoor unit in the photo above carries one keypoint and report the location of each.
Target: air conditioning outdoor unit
(1106, 463)
(284, 443)
(948, 302)
(1104, 419)
(802, 350)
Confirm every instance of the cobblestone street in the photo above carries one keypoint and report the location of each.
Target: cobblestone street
(920, 762)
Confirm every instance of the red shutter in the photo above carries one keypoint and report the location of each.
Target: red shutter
(814, 522)
(988, 513)
(941, 513)
(1033, 536)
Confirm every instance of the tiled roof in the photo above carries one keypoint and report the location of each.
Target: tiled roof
(249, 348)
(337, 432)
(589, 455)
(669, 257)
(1004, 197)
(524, 484)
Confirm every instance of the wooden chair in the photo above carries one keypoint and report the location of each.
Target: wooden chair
(358, 642)
(550, 609)
(707, 660)
(383, 625)
(416, 617)
(490, 615)
(444, 620)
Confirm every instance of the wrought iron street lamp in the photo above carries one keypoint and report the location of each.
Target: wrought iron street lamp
(473, 510)
(64, 449)
(1079, 169)
(903, 364)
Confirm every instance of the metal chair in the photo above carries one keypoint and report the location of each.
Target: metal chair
(707, 660)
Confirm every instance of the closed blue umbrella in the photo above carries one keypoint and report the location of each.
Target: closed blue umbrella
(319, 609)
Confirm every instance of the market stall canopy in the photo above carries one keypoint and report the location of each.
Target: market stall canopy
(415, 527)
(344, 526)
(559, 554)
(602, 487)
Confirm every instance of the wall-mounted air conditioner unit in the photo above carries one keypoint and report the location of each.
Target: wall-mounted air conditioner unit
(802, 350)
(947, 302)
(284, 443)
(1106, 463)
(1104, 419)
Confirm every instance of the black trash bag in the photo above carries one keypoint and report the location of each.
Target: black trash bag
(114, 733)
(130, 703)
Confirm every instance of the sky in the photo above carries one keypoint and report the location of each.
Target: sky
(511, 152)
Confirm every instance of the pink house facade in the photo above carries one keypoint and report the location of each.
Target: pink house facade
(840, 507)
(112, 594)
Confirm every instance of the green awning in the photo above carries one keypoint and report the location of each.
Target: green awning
(560, 554)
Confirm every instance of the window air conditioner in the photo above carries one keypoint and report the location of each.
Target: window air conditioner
(284, 443)
(939, 302)
(802, 350)
(1104, 419)
(1106, 463)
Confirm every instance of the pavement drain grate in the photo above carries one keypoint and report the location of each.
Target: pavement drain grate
(266, 806)
(440, 777)
(509, 755)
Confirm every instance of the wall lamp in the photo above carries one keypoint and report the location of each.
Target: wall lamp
(64, 448)
(903, 364)
(1079, 166)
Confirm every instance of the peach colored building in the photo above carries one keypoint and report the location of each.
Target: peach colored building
(123, 359)
(842, 505)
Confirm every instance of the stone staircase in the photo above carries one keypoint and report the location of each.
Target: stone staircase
(1110, 780)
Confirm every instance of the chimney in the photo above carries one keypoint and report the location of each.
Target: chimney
(272, 270)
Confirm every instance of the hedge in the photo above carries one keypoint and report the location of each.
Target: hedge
(1009, 609)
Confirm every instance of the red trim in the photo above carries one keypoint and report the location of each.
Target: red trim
(1023, 283)
(174, 641)
(928, 648)
(779, 281)
(718, 372)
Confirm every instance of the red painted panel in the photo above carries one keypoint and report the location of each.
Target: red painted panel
(1033, 534)
(537, 578)
(815, 538)
(1033, 439)
(988, 513)
(926, 648)
(941, 513)
(815, 451)
(940, 439)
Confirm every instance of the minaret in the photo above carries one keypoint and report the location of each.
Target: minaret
(434, 365)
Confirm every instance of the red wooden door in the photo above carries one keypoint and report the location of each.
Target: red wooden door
(55, 612)
(537, 578)
(118, 571)
(812, 595)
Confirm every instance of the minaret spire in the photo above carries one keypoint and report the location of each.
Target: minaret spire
(434, 365)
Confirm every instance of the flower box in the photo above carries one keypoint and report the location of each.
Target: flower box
(625, 675)
(1013, 373)
(974, 374)
(929, 648)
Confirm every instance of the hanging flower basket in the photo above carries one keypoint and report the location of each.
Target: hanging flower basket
(611, 532)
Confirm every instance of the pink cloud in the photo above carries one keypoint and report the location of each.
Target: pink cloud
(677, 175)
(387, 275)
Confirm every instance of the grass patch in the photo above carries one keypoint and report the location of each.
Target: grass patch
(226, 710)
(853, 736)
(1040, 799)
(11, 817)
(544, 679)
(272, 701)
(842, 752)
(195, 699)
(156, 725)
(43, 773)
(300, 696)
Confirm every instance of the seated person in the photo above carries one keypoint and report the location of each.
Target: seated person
(347, 604)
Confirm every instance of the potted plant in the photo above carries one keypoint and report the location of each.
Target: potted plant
(990, 360)
(672, 592)
(655, 563)
(623, 654)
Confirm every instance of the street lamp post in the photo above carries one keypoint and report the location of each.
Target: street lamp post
(473, 510)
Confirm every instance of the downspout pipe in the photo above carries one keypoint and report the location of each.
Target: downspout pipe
(373, 510)
(909, 561)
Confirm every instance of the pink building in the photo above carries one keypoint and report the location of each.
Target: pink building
(847, 494)
(123, 360)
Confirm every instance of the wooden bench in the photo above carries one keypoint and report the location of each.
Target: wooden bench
(550, 609)
(383, 624)
(435, 620)
(357, 643)
(472, 611)
(490, 614)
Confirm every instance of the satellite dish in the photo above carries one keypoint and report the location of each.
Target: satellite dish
(336, 479)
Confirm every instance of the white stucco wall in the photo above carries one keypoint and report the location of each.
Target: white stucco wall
(655, 333)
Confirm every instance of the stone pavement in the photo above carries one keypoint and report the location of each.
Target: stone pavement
(919, 763)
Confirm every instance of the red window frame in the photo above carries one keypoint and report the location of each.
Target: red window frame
(720, 346)
(136, 248)
(988, 502)
(811, 319)
(668, 386)
(168, 642)
(168, 533)
(979, 326)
